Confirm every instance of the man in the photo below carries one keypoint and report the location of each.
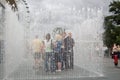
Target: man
(69, 44)
(36, 46)
(63, 51)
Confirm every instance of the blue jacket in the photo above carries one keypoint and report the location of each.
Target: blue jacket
(58, 47)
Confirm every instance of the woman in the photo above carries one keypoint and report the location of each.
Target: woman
(48, 52)
(58, 53)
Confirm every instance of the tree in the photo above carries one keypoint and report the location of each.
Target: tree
(12, 2)
(112, 25)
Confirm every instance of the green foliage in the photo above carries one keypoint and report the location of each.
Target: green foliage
(112, 25)
(13, 2)
(115, 7)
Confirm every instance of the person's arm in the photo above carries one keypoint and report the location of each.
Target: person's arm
(31, 46)
(73, 42)
(42, 46)
(63, 44)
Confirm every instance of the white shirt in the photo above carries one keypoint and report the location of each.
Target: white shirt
(48, 46)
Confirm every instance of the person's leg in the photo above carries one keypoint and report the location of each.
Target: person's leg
(62, 63)
(59, 61)
(71, 60)
(53, 63)
(36, 63)
(38, 59)
(35, 60)
(50, 61)
(46, 61)
(56, 61)
(59, 66)
(66, 61)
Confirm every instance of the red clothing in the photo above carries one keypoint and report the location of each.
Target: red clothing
(115, 58)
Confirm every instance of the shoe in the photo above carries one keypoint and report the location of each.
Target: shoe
(58, 70)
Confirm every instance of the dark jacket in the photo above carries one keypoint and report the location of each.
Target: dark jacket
(68, 43)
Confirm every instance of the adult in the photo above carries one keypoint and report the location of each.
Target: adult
(118, 48)
(49, 64)
(63, 50)
(114, 50)
(58, 54)
(69, 44)
(36, 47)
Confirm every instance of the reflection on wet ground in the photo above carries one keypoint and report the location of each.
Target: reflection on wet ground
(26, 72)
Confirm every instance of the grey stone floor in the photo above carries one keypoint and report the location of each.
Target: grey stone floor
(1, 71)
(26, 72)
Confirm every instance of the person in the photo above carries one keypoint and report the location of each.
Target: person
(58, 54)
(65, 55)
(118, 48)
(43, 51)
(48, 54)
(36, 47)
(63, 50)
(69, 44)
(114, 50)
(115, 54)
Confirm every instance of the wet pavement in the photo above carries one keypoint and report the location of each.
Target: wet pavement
(1, 71)
(26, 72)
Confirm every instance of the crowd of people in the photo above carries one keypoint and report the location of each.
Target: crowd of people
(57, 54)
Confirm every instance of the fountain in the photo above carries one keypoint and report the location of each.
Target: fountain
(85, 23)
(2, 51)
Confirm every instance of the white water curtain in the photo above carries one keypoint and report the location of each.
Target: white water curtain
(14, 41)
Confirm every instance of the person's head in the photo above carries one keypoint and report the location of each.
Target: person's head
(118, 46)
(48, 36)
(58, 37)
(70, 34)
